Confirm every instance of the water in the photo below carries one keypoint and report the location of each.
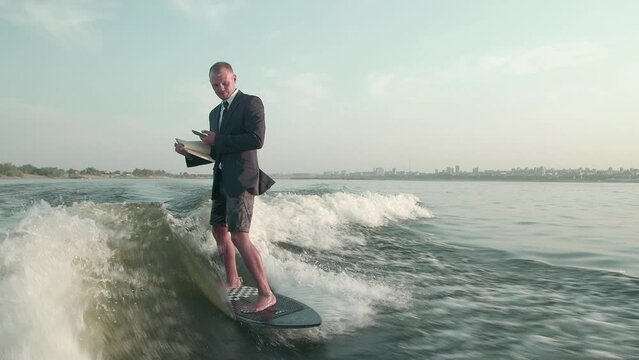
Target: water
(398, 270)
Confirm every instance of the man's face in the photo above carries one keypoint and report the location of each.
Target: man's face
(223, 83)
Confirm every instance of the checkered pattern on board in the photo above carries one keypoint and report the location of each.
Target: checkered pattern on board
(241, 293)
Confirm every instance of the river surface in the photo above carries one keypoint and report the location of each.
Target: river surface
(100, 269)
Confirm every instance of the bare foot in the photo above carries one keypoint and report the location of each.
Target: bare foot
(263, 302)
(233, 284)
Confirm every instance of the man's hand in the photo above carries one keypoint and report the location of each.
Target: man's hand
(179, 148)
(209, 139)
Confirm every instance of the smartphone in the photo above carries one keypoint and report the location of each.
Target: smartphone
(198, 133)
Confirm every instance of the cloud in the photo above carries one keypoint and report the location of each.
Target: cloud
(543, 58)
(64, 20)
(307, 85)
(524, 61)
(302, 91)
(198, 94)
(209, 10)
(378, 83)
(412, 88)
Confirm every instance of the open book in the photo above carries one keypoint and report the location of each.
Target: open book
(196, 148)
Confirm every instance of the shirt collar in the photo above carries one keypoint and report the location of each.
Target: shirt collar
(230, 99)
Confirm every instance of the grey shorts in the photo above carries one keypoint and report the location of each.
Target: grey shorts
(234, 212)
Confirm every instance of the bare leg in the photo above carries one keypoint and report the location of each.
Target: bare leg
(227, 254)
(253, 262)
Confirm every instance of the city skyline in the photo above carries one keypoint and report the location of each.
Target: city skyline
(515, 174)
(9, 171)
(452, 170)
(459, 170)
(352, 85)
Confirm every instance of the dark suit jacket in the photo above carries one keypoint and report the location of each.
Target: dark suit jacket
(236, 144)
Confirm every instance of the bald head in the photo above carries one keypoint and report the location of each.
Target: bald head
(222, 79)
(219, 66)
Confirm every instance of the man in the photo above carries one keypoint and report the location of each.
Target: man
(236, 132)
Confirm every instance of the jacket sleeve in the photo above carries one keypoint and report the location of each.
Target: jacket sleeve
(196, 161)
(253, 136)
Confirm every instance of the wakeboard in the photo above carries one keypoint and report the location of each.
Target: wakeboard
(287, 313)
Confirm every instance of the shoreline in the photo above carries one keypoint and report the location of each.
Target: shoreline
(32, 177)
(97, 177)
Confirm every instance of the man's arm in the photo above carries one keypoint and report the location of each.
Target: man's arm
(191, 160)
(252, 139)
(195, 161)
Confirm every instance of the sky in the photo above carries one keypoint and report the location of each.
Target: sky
(347, 85)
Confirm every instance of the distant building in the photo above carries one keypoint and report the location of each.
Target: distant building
(378, 171)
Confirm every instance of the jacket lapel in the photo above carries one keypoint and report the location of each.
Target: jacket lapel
(216, 119)
(228, 115)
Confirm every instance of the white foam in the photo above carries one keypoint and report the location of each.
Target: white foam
(345, 301)
(320, 221)
(54, 264)
(47, 271)
(601, 354)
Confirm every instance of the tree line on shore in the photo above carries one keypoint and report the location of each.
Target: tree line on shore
(10, 170)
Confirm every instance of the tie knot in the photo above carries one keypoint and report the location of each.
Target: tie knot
(225, 105)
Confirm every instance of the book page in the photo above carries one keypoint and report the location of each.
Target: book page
(196, 148)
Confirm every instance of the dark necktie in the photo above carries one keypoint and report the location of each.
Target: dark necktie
(225, 107)
(225, 104)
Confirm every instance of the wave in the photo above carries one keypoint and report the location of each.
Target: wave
(323, 221)
(129, 280)
(316, 224)
(51, 266)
